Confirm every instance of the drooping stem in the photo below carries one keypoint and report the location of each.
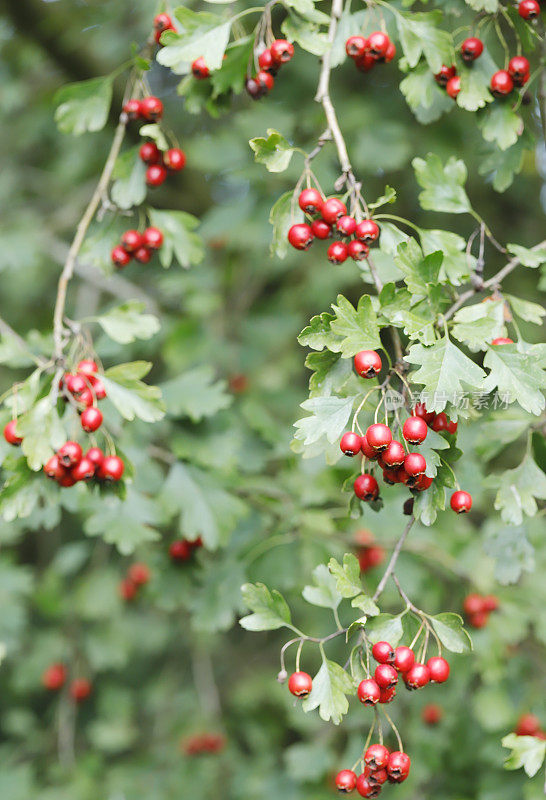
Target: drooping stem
(394, 558)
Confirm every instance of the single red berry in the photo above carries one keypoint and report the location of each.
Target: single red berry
(422, 483)
(65, 479)
(162, 22)
(377, 777)
(87, 367)
(310, 201)
(367, 449)
(282, 51)
(471, 48)
(150, 153)
(391, 52)
(379, 436)
(383, 653)
(76, 384)
(355, 46)
(367, 231)
(528, 725)
(132, 108)
(438, 668)
(143, 255)
(346, 225)
(54, 677)
(387, 695)
(91, 419)
(365, 788)
(69, 454)
(490, 602)
(84, 470)
(366, 488)
(265, 81)
(417, 676)
(155, 175)
(461, 502)
(86, 397)
(528, 9)
(519, 67)
(96, 456)
(385, 676)
(53, 468)
(180, 550)
(151, 108)
(350, 443)
(80, 689)
(368, 363)
(358, 250)
(453, 86)
(337, 252)
(111, 469)
(301, 236)
(120, 257)
(502, 83)
(365, 62)
(445, 74)
(200, 69)
(300, 684)
(174, 159)
(414, 464)
(393, 455)
(253, 89)
(139, 573)
(9, 433)
(452, 426)
(265, 61)
(500, 340)
(127, 590)
(368, 692)
(440, 422)
(478, 620)
(153, 238)
(398, 766)
(473, 604)
(345, 780)
(321, 229)
(432, 714)
(378, 44)
(370, 557)
(404, 659)
(420, 410)
(332, 209)
(376, 756)
(415, 430)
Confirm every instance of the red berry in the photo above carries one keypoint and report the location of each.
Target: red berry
(120, 257)
(440, 422)
(393, 455)
(300, 684)
(453, 86)
(377, 777)
(346, 225)
(265, 81)
(519, 67)
(91, 419)
(368, 692)
(174, 159)
(415, 430)
(528, 9)
(355, 46)
(368, 363)
(500, 340)
(471, 48)
(95, 455)
(439, 669)
(385, 676)
(376, 756)
(445, 74)
(404, 659)
(200, 69)
(432, 714)
(420, 410)
(139, 573)
(155, 175)
(76, 384)
(301, 236)
(151, 108)
(365, 788)
(379, 436)
(143, 255)
(153, 238)
(54, 677)
(265, 60)
(367, 449)
(479, 620)
(387, 695)
(80, 689)
(150, 153)
(391, 52)
(132, 108)
(253, 88)
(9, 433)
(398, 766)
(337, 252)
(127, 590)
(366, 488)
(111, 469)
(358, 250)
(383, 653)
(310, 201)
(162, 22)
(365, 62)
(53, 468)
(85, 397)
(528, 725)
(87, 367)
(473, 604)
(180, 550)
(490, 602)
(332, 209)
(69, 454)
(282, 51)
(378, 44)
(321, 229)
(452, 427)
(367, 231)
(350, 443)
(422, 483)
(65, 479)
(414, 464)
(417, 676)
(84, 470)
(502, 83)
(461, 502)
(345, 780)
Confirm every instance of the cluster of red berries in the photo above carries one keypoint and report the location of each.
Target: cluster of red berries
(69, 465)
(54, 678)
(477, 608)
(139, 246)
(162, 22)
(149, 109)
(382, 765)
(369, 554)
(437, 422)
(393, 662)
(367, 52)
(270, 60)
(160, 163)
(183, 549)
(86, 389)
(329, 218)
(137, 576)
(203, 744)
(529, 725)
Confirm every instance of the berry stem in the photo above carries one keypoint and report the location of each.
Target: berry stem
(395, 729)
(394, 558)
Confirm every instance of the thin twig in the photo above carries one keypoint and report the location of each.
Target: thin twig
(394, 558)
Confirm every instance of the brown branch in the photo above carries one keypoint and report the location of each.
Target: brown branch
(394, 558)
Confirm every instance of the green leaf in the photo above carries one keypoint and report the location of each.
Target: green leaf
(324, 593)
(527, 752)
(445, 372)
(420, 35)
(417, 322)
(427, 504)
(83, 106)
(180, 241)
(433, 442)
(385, 627)
(357, 327)
(283, 215)
(154, 132)
(475, 80)
(500, 166)
(270, 610)
(517, 377)
(420, 272)
(200, 34)
(331, 684)
(490, 6)
(524, 309)
(131, 396)
(42, 432)
(456, 264)
(347, 576)
(443, 185)
(306, 34)
(329, 417)
(126, 323)
(450, 631)
(512, 551)
(275, 152)
(478, 324)
(529, 257)
(365, 604)
(500, 429)
(388, 196)
(330, 373)
(127, 523)
(232, 73)
(423, 95)
(129, 186)
(195, 394)
(501, 124)
(318, 334)
(518, 489)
